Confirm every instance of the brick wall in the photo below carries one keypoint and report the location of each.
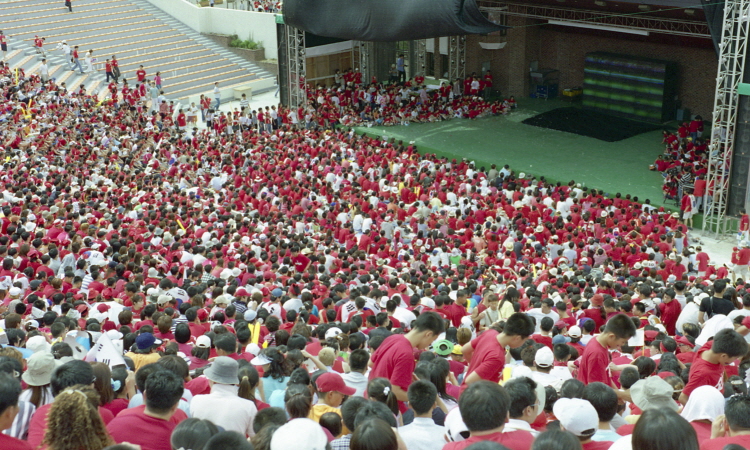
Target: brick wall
(565, 51)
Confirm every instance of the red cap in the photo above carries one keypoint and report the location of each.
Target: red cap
(102, 308)
(650, 334)
(332, 382)
(682, 340)
(560, 325)
(746, 322)
(202, 315)
(597, 300)
(241, 292)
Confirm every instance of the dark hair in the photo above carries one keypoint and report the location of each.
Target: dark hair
(69, 374)
(650, 431)
(730, 342)
(182, 334)
(226, 342)
(163, 391)
(349, 410)
(522, 394)
(737, 412)
(277, 369)
(572, 388)
(267, 416)
(603, 398)
(298, 401)
(381, 390)
(331, 421)
(358, 360)
(374, 434)
(192, 433)
(422, 396)
(10, 390)
(249, 379)
(519, 324)
(484, 406)
(621, 326)
(103, 383)
(645, 365)
(225, 440)
(629, 376)
(429, 321)
(556, 440)
(175, 364)
(374, 409)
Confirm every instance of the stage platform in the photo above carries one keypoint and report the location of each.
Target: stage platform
(613, 167)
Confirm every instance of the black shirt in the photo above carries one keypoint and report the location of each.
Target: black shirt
(714, 305)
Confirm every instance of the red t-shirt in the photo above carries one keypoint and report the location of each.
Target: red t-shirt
(300, 262)
(394, 360)
(597, 445)
(488, 359)
(10, 443)
(38, 423)
(513, 440)
(595, 364)
(704, 373)
(720, 443)
(138, 428)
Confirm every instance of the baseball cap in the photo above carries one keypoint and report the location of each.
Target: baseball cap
(300, 434)
(332, 382)
(560, 339)
(145, 341)
(457, 350)
(443, 347)
(574, 331)
(203, 341)
(250, 315)
(544, 357)
(333, 332)
(277, 293)
(577, 416)
(260, 360)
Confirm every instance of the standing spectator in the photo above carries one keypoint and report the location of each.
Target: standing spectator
(192, 115)
(687, 207)
(204, 103)
(67, 54)
(90, 60)
(44, 71)
(487, 85)
(151, 427)
(10, 390)
(76, 61)
(108, 70)
(394, 358)
(69, 4)
(39, 45)
(157, 80)
(4, 44)
(115, 68)
(244, 103)
(217, 95)
(223, 406)
(140, 74)
(401, 68)
(596, 359)
(708, 368)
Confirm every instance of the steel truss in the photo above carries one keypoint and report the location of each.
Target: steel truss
(361, 53)
(297, 63)
(421, 57)
(634, 21)
(732, 53)
(456, 57)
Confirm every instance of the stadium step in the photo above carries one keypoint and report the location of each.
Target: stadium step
(138, 32)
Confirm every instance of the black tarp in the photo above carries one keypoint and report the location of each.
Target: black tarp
(387, 20)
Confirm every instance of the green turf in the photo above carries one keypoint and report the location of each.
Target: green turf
(610, 166)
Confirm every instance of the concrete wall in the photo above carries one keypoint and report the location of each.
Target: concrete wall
(261, 27)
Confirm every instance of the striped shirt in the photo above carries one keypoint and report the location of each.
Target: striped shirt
(20, 427)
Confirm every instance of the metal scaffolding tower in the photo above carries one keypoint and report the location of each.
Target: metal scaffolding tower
(420, 66)
(456, 57)
(296, 60)
(361, 53)
(732, 52)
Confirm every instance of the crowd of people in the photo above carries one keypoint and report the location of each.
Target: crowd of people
(286, 286)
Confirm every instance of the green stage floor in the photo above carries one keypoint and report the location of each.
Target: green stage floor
(610, 166)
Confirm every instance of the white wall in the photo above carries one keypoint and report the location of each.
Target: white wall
(220, 20)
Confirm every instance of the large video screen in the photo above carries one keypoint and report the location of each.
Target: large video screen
(630, 87)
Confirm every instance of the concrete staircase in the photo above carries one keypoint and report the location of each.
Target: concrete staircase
(138, 33)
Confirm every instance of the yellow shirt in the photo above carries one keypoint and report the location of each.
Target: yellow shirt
(140, 359)
(320, 409)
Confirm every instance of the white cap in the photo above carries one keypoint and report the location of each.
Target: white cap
(574, 331)
(333, 332)
(203, 342)
(300, 434)
(544, 357)
(577, 416)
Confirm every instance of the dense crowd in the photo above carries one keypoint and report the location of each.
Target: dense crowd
(281, 286)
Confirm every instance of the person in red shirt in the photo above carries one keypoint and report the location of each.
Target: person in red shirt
(670, 311)
(708, 364)
(300, 261)
(596, 358)
(181, 119)
(140, 74)
(10, 390)
(486, 353)
(484, 408)
(68, 375)
(151, 427)
(394, 358)
(733, 426)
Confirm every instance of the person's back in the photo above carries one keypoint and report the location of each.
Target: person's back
(10, 390)
(422, 433)
(734, 428)
(151, 427)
